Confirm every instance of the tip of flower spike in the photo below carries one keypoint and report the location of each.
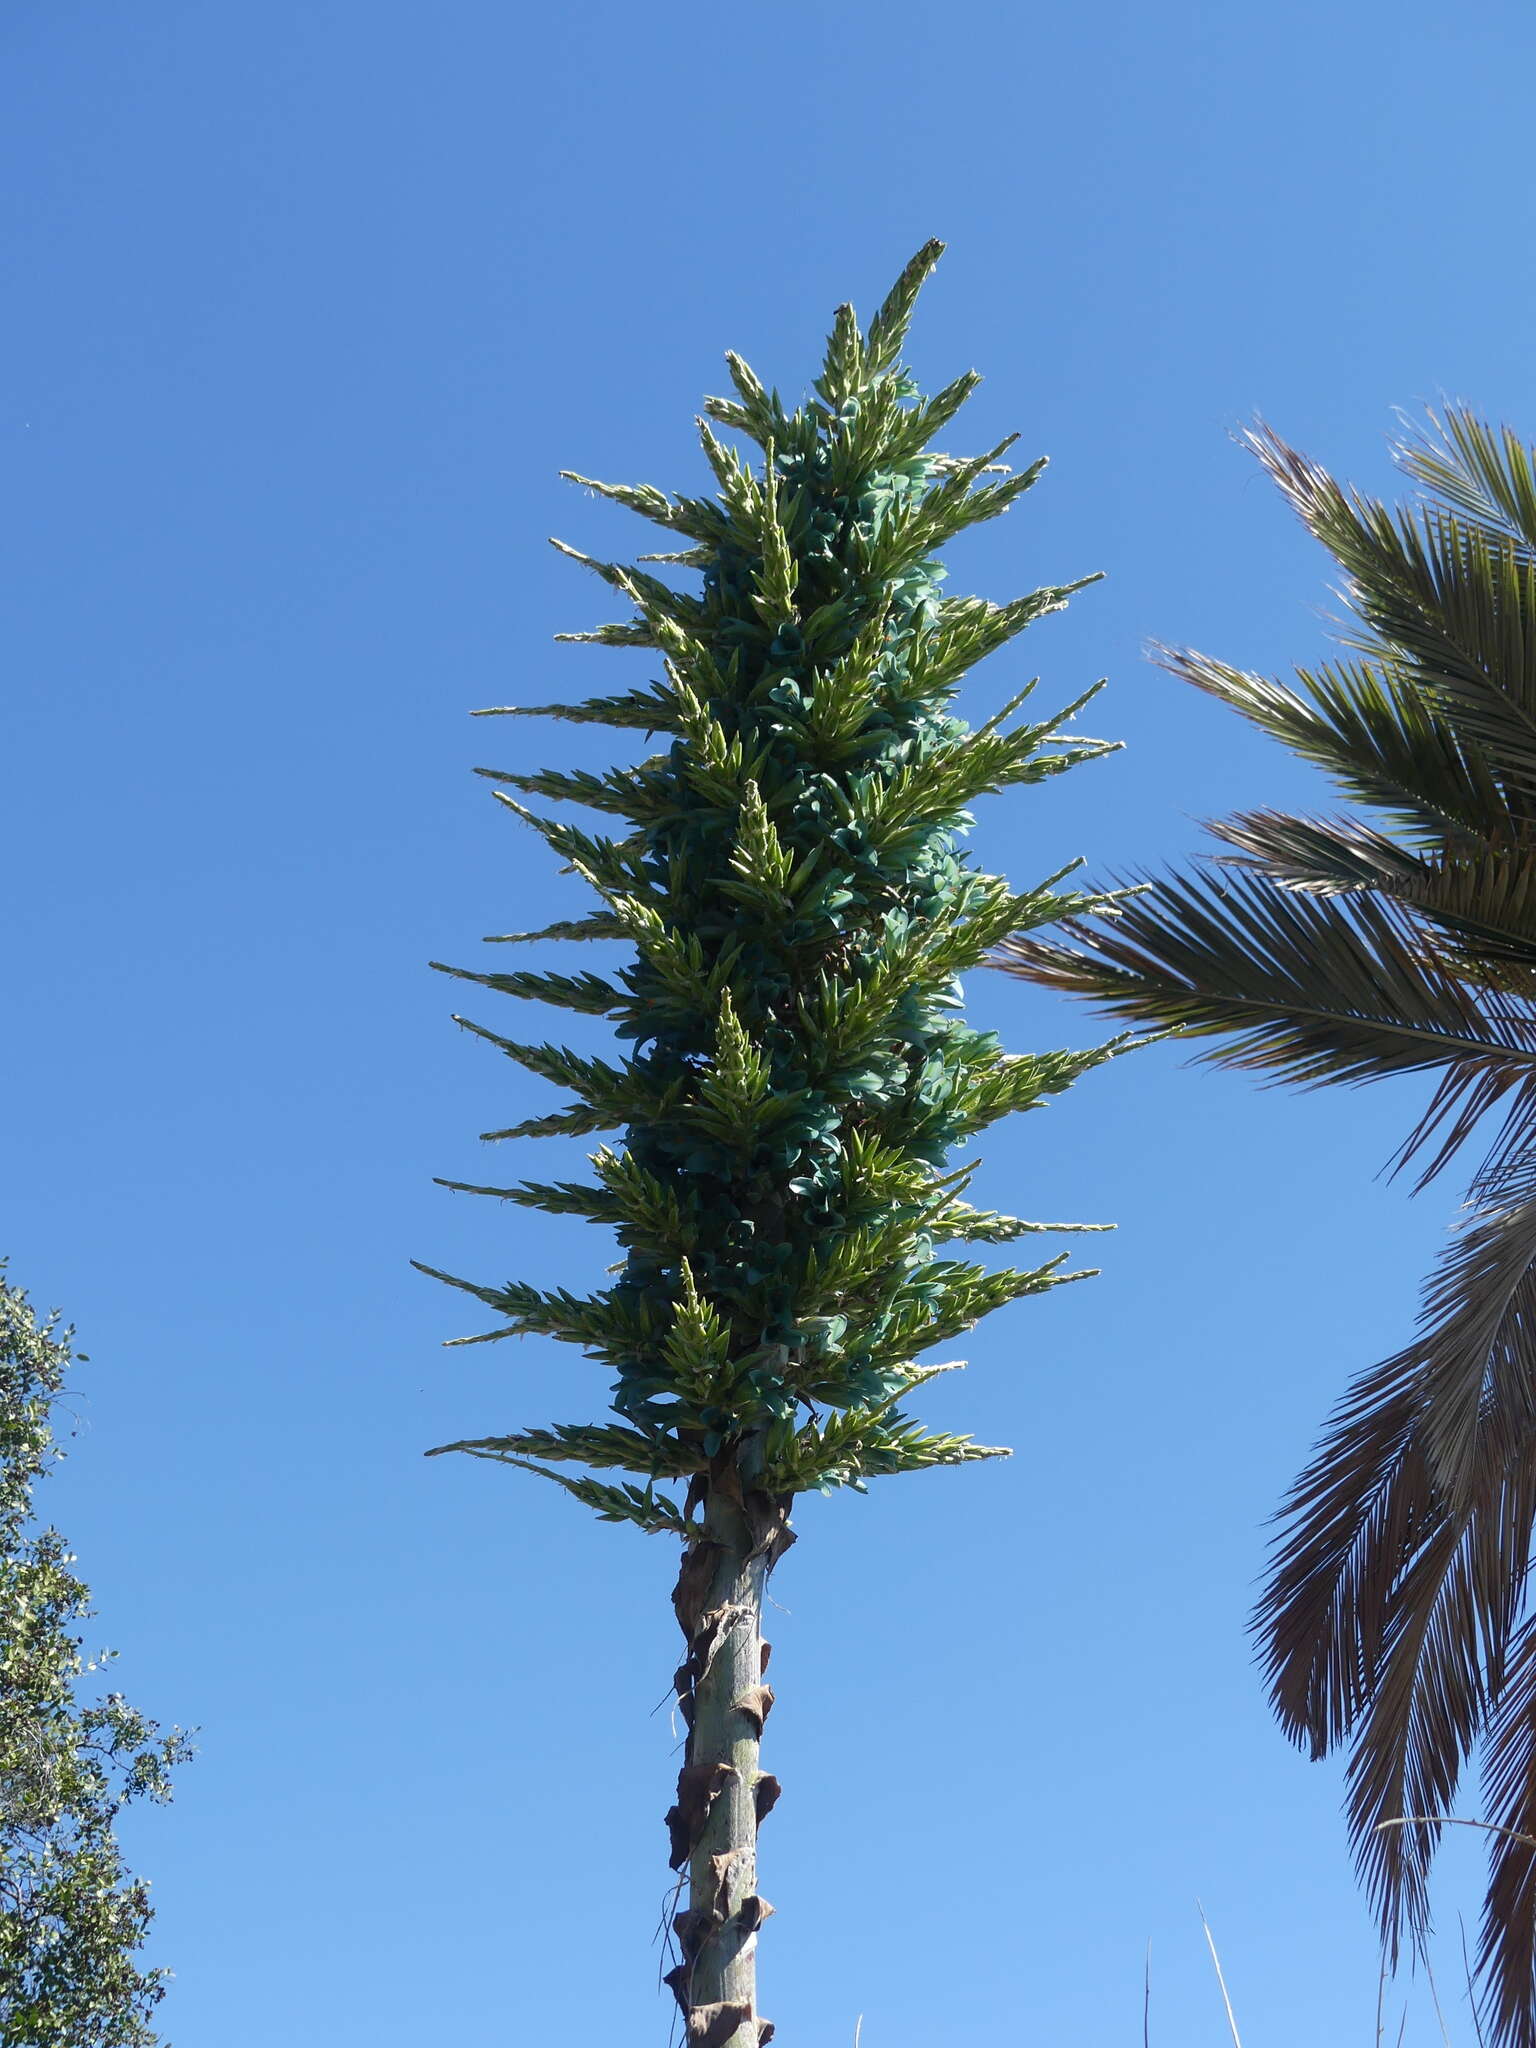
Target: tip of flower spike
(888, 329)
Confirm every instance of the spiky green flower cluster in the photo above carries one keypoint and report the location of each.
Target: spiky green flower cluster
(790, 880)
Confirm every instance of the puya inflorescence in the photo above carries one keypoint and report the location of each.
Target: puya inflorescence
(791, 905)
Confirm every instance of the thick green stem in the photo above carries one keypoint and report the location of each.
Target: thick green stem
(722, 1794)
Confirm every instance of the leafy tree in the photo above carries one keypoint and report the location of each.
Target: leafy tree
(789, 884)
(71, 1917)
(1399, 938)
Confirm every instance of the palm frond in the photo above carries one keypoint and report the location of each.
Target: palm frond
(1482, 900)
(1363, 1632)
(1507, 1950)
(1394, 1592)
(1326, 950)
(1426, 1707)
(1460, 605)
(1474, 1355)
(1347, 1524)
(1320, 856)
(1488, 472)
(1387, 1619)
(1303, 988)
(1484, 905)
(1369, 727)
(1452, 602)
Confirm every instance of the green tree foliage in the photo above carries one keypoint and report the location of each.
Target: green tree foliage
(787, 881)
(1399, 938)
(71, 1917)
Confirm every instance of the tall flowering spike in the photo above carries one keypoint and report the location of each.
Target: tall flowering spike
(788, 880)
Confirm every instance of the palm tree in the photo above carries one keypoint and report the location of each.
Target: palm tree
(1397, 938)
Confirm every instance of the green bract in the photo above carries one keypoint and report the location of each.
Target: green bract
(788, 875)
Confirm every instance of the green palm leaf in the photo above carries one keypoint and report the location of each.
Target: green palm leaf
(1487, 471)
(1371, 729)
(1448, 599)
(1302, 988)
(1323, 950)
(1321, 856)
(1475, 1354)
(1507, 1950)
(1481, 902)
(1394, 1591)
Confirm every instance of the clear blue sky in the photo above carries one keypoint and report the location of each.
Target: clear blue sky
(308, 305)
